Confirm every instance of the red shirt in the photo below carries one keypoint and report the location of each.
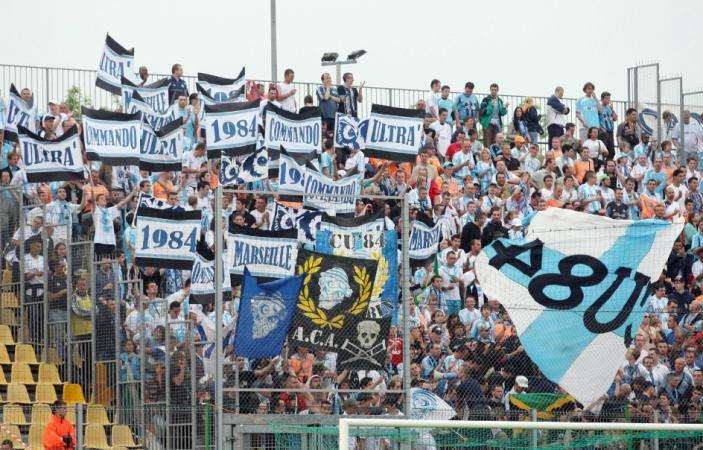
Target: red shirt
(453, 148)
(395, 349)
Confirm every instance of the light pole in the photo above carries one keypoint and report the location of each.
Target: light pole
(330, 59)
(274, 55)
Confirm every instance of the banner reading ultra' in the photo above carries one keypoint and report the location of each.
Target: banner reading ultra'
(45, 160)
(115, 63)
(394, 133)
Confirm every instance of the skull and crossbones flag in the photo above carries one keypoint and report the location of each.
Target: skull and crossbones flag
(335, 290)
(364, 344)
(265, 313)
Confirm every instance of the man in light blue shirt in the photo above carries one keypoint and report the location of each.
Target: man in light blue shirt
(466, 104)
(656, 173)
(587, 110)
(446, 103)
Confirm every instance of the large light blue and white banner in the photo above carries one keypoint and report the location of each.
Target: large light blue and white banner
(231, 128)
(236, 170)
(349, 131)
(394, 133)
(161, 150)
(267, 254)
(424, 240)
(115, 62)
(577, 288)
(110, 137)
(167, 238)
(155, 95)
(154, 119)
(222, 89)
(296, 132)
(57, 160)
(18, 114)
(332, 196)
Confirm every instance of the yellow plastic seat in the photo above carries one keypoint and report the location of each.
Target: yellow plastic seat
(95, 437)
(12, 432)
(6, 335)
(4, 356)
(13, 415)
(17, 393)
(6, 277)
(9, 300)
(122, 437)
(71, 413)
(25, 353)
(21, 373)
(45, 393)
(41, 414)
(8, 317)
(73, 393)
(48, 373)
(97, 415)
(36, 434)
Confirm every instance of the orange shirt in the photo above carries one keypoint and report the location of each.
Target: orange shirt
(54, 432)
(161, 191)
(581, 167)
(648, 204)
(301, 368)
(92, 193)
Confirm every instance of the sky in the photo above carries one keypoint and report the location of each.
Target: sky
(527, 47)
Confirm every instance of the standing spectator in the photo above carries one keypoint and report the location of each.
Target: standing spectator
(607, 118)
(518, 126)
(491, 112)
(103, 216)
(597, 150)
(446, 103)
(587, 110)
(466, 105)
(287, 91)
(176, 85)
(692, 136)
(328, 99)
(532, 120)
(432, 101)
(350, 95)
(628, 132)
(143, 75)
(556, 114)
(443, 131)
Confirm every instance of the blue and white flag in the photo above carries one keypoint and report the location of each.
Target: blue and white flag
(265, 314)
(291, 173)
(202, 276)
(147, 201)
(155, 95)
(111, 137)
(426, 405)
(267, 254)
(332, 196)
(394, 133)
(115, 62)
(45, 160)
(349, 131)
(306, 222)
(424, 240)
(205, 98)
(295, 132)
(222, 89)
(236, 170)
(18, 114)
(231, 128)
(648, 119)
(167, 238)
(576, 288)
(161, 150)
(154, 119)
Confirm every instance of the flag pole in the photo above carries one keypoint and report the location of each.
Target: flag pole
(219, 410)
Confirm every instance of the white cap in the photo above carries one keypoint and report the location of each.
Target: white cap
(521, 380)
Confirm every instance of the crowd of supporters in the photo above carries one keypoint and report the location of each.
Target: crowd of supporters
(484, 167)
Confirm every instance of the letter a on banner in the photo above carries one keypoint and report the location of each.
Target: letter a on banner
(115, 62)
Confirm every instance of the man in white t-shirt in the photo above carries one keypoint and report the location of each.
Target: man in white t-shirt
(59, 117)
(443, 131)
(287, 91)
(260, 214)
(192, 164)
(103, 216)
(355, 161)
(680, 189)
(697, 268)
(433, 98)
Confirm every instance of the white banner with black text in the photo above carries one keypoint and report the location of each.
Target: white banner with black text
(267, 254)
(231, 128)
(45, 160)
(162, 150)
(394, 133)
(221, 89)
(115, 62)
(155, 95)
(167, 238)
(295, 132)
(18, 114)
(111, 137)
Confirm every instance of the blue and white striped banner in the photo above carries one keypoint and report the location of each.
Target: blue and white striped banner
(155, 95)
(111, 137)
(57, 160)
(161, 150)
(222, 89)
(394, 133)
(167, 238)
(115, 62)
(231, 128)
(576, 289)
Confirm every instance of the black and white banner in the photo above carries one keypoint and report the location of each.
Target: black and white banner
(202, 276)
(156, 120)
(358, 235)
(295, 132)
(394, 133)
(116, 62)
(364, 343)
(167, 238)
(349, 131)
(291, 172)
(231, 128)
(334, 197)
(424, 240)
(162, 150)
(267, 254)
(235, 170)
(18, 114)
(110, 137)
(155, 95)
(57, 160)
(206, 99)
(307, 222)
(222, 89)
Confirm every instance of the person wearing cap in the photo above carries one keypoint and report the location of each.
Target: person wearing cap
(520, 386)
(47, 127)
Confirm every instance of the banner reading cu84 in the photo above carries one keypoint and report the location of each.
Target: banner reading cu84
(167, 238)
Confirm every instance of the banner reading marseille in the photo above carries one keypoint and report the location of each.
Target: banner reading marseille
(265, 313)
(326, 194)
(110, 137)
(57, 160)
(236, 170)
(295, 132)
(231, 128)
(18, 114)
(156, 120)
(267, 254)
(161, 150)
(167, 238)
(221, 89)
(115, 63)
(576, 288)
(365, 237)
(424, 240)
(394, 133)
(349, 131)
(155, 95)
(336, 290)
